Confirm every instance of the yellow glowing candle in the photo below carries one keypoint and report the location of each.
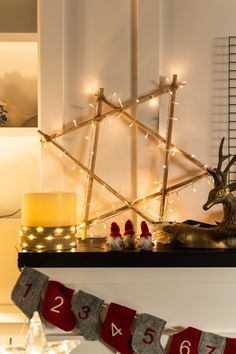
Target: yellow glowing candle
(52, 209)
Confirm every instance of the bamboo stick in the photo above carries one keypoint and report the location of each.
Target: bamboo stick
(92, 164)
(117, 109)
(141, 201)
(168, 144)
(94, 176)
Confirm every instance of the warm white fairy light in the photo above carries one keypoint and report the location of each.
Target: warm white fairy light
(120, 102)
(193, 155)
(67, 237)
(75, 123)
(152, 99)
(110, 121)
(174, 150)
(73, 167)
(86, 137)
(154, 102)
(49, 238)
(39, 229)
(58, 231)
(59, 247)
(104, 226)
(91, 105)
(170, 92)
(31, 237)
(194, 189)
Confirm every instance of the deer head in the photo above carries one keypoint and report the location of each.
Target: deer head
(221, 190)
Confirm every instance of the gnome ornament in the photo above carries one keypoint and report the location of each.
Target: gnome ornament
(115, 241)
(145, 242)
(129, 235)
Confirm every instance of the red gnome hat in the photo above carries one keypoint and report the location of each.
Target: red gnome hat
(145, 230)
(129, 228)
(115, 230)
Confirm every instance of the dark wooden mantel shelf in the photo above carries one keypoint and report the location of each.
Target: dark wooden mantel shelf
(94, 253)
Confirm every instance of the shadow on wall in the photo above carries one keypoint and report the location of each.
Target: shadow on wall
(18, 94)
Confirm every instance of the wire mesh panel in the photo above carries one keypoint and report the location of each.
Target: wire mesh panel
(232, 104)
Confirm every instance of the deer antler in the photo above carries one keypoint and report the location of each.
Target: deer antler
(221, 156)
(218, 175)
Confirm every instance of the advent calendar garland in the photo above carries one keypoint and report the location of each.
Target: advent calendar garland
(122, 329)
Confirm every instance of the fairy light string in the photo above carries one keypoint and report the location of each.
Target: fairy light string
(119, 110)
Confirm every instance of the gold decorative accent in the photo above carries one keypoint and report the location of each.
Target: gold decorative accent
(48, 238)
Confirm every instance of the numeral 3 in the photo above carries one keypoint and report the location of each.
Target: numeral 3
(85, 314)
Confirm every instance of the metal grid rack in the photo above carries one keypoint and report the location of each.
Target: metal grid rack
(232, 104)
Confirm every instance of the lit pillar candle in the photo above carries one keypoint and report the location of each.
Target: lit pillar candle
(52, 209)
(48, 221)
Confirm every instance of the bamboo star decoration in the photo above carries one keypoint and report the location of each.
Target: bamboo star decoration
(121, 110)
(36, 342)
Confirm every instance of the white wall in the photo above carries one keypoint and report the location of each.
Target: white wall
(194, 45)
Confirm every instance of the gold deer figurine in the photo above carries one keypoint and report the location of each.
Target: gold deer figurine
(223, 235)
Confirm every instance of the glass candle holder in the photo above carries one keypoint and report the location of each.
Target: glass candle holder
(48, 222)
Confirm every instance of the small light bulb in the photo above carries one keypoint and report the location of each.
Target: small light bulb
(31, 237)
(154, 102)
(120, 102)
(75, 124)
(137, 100)
(146, 136)
(131, 124)
(39, 229)
(49, 238)
(58, 230)
(86, 137)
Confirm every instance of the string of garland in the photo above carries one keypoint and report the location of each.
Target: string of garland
(85, 314)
